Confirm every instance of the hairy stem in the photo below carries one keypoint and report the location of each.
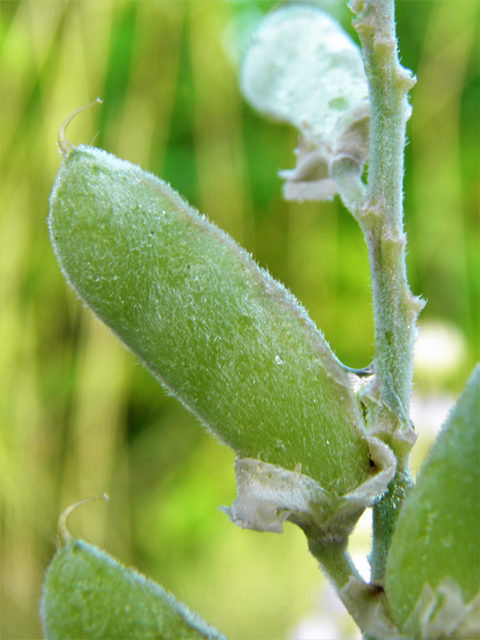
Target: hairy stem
(380, 214)
(385, 514)
(334, 560)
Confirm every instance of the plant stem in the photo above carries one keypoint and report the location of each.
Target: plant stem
(380, 214)
(334, 560)
(385, 514)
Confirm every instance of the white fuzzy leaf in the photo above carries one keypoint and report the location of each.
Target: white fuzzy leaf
(302, 68)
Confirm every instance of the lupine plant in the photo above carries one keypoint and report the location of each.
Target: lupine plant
(316, 442)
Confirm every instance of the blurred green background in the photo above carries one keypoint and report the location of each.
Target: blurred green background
(79, 415)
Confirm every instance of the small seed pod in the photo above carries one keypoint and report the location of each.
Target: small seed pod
(89, 594)
(433, 567)
(231, 343)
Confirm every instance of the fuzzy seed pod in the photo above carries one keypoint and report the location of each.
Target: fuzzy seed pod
(231, 343)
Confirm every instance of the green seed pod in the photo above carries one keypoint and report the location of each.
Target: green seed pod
(88, 594)
(231, 343)
(433, 566)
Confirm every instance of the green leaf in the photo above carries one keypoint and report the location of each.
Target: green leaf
(216, 330)
(433, 567)
(302, 68)
(88, 594)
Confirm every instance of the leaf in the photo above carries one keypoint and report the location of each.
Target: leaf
(302, 68)
(88, 594)
(217, 331)
(436, 541)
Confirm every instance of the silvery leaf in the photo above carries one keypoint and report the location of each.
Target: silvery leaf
(302, 68)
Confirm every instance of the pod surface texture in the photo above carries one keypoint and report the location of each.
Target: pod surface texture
(215, 329)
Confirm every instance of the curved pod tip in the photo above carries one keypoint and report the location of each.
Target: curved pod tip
(65, 145)
(64, 535)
